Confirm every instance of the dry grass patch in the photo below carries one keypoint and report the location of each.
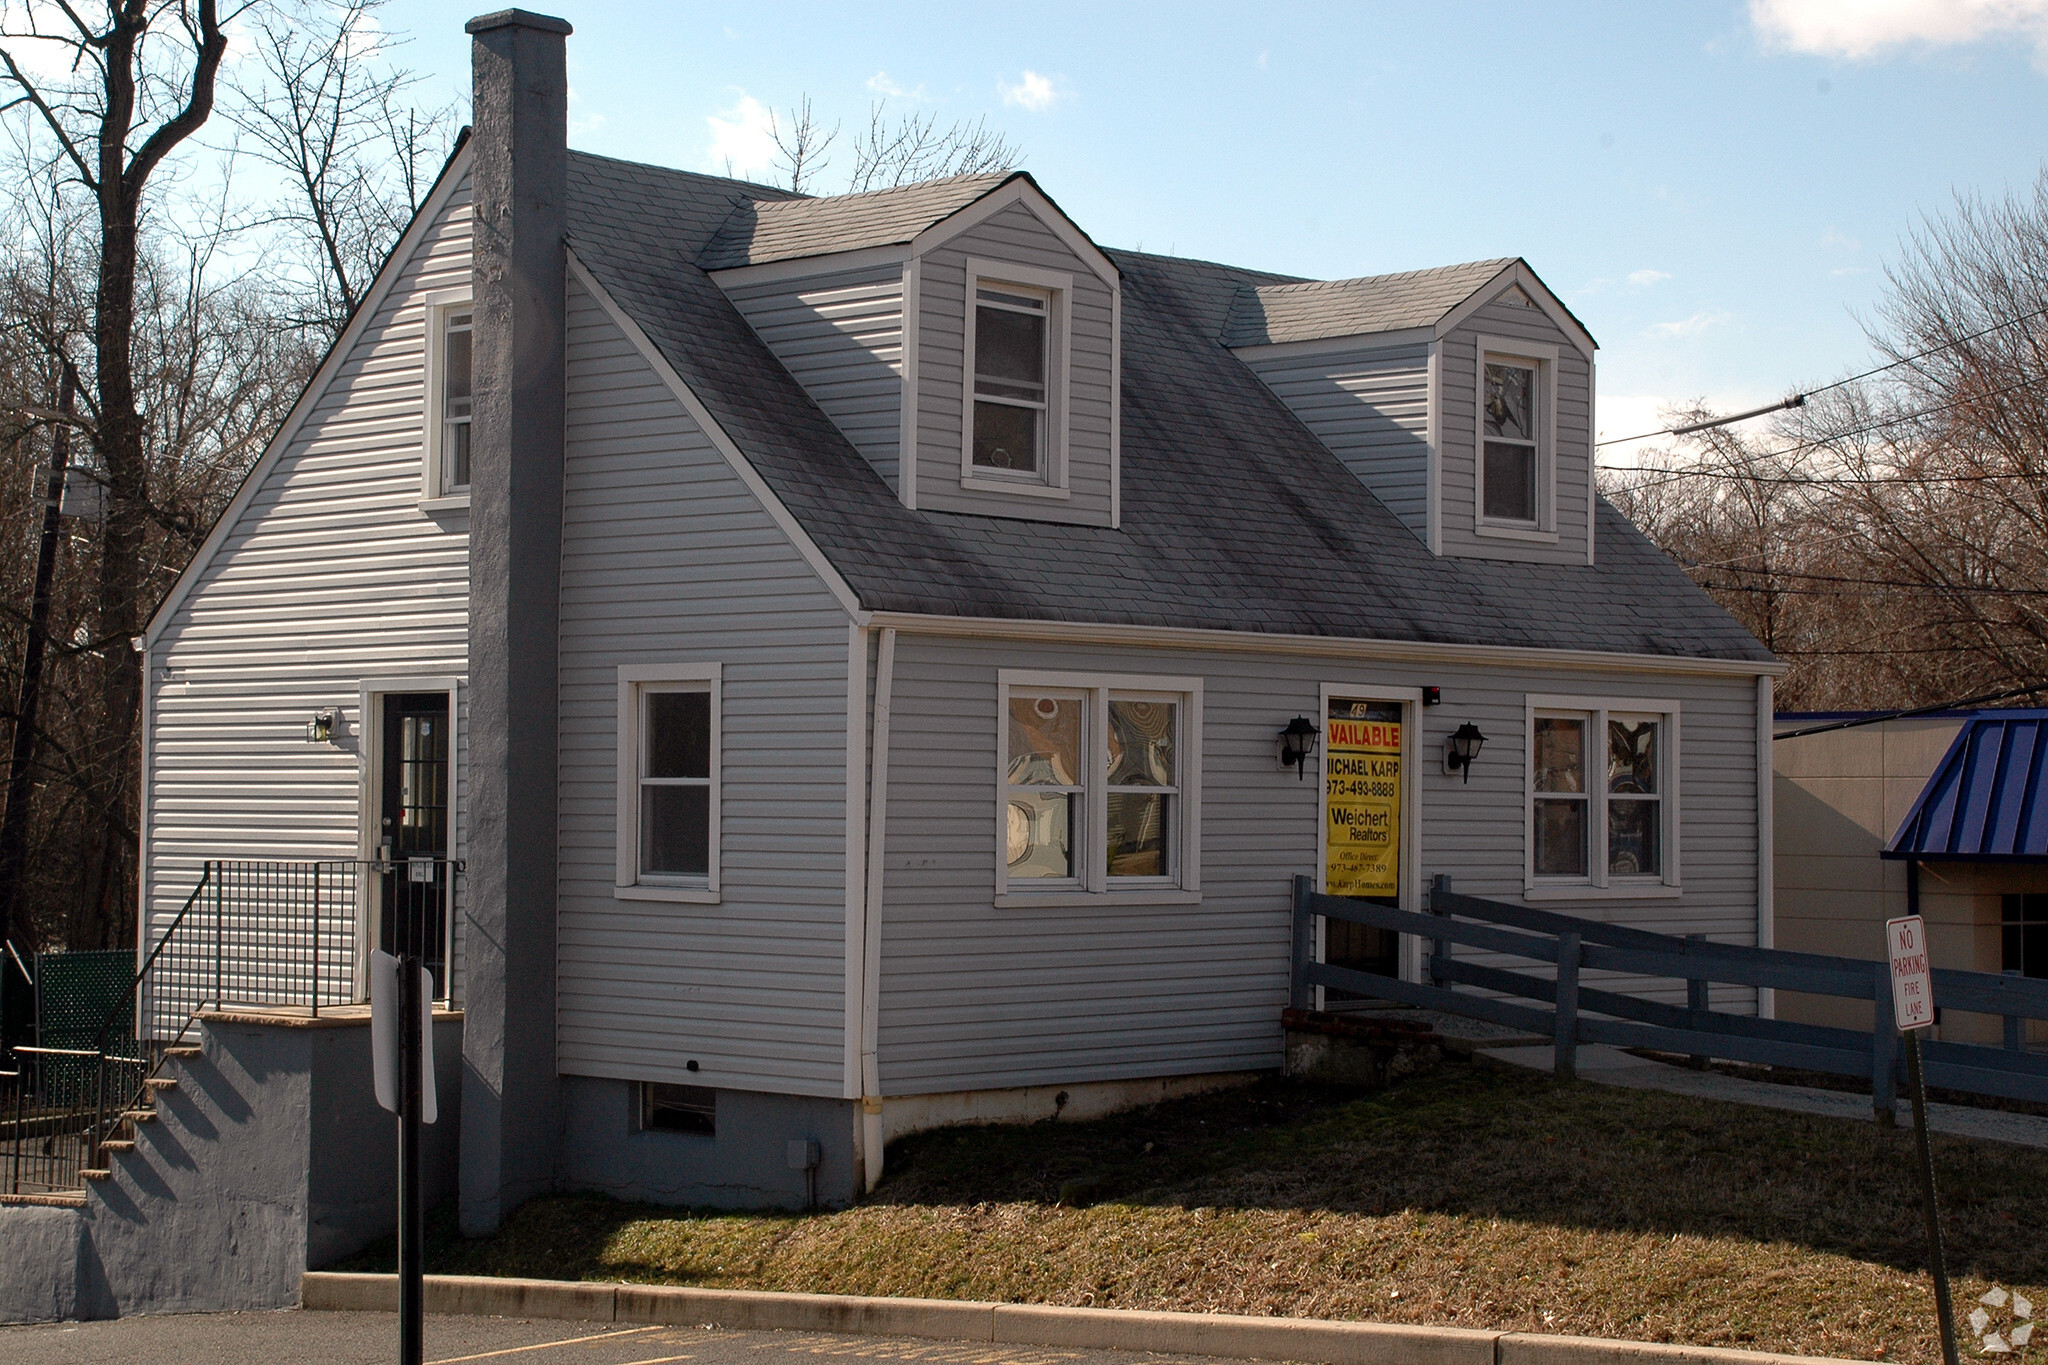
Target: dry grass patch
(1473, 1197)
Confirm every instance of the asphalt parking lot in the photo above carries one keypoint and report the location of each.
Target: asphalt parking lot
(300, 1338)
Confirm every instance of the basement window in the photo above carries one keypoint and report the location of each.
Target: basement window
(666, 1108)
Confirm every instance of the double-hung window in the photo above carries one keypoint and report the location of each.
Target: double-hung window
(1016, 325)
(1099, 787)
(449, 394)
(669, 757)
(1515, 476)
(1603, 797)
(1010, 367)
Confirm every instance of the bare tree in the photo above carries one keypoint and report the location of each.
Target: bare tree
(325, 106)
(142, 82)
(1903, 559)
(914, 147)
(890, 152)
(801, 151)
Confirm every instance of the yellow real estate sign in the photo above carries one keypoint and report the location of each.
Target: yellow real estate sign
(1362, 835)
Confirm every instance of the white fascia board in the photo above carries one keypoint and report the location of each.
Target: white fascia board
(783, 518)
(1516, 272)
(309, 397)
(1019, 191)
(802, 267)
(1351, 341)
(1315, 646)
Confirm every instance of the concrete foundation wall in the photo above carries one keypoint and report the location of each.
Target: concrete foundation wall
(269, 1158)
(745, 1166)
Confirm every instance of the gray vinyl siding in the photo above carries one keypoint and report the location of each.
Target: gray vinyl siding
(331, 576)
(1574, 454)
(841, 335)
(667, 557)
(1371, 408)
(977, 997)
(1014, 234)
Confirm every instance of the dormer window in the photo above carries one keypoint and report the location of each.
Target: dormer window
(1015, 390)
(1009, 378)
(1510, 476)
(1515, 474)
(449, 396)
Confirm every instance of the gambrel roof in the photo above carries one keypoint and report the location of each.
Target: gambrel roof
(1235, 517)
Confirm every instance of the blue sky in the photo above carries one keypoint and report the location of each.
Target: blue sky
(1714, 188)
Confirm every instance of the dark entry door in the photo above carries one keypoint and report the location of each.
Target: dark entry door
(413, 830)
(1362, 756)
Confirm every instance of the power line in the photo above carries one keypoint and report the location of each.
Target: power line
(1729, 471)
(1885, 582)
(2031, 689)
(1840, 592)
(1798, 400)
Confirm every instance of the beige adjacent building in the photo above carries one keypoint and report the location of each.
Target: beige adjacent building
(1931, 814)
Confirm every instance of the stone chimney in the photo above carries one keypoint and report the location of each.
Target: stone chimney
(511, 1108)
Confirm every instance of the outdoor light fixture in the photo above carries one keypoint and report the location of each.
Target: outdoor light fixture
(320, 729)
(1298, 744)
(1461, 749)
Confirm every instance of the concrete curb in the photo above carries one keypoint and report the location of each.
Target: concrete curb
(1101, 1329)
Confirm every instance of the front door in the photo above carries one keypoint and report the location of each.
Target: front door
(1362, 753)
(412, 830)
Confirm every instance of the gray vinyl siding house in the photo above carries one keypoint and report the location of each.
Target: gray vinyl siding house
(1250, 498)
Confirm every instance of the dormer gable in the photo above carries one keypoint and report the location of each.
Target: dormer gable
(963, 333)
(1461, 396)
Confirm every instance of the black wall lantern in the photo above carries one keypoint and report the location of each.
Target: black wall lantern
(1298, 744)
(1461, 749)
(320, 729)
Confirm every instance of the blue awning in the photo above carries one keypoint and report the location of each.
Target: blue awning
(1988, 798)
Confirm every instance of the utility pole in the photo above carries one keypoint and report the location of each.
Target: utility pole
(28, 697)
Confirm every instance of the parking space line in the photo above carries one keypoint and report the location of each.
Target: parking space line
(547, 1345)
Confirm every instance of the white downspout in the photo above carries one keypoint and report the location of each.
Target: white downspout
(1766, 838)
(871, 918)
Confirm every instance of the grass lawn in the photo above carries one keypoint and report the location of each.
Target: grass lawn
(1474, 1196)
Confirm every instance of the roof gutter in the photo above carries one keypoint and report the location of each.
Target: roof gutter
(1316, 646)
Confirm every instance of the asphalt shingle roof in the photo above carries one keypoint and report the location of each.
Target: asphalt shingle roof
(1234, 516)
(1311, 310)
(780, 230)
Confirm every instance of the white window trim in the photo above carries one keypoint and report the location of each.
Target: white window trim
(1050, 481)
(1544, 358)
(434, 496)
(1599, 885)
(627, 883)
(1094, 885)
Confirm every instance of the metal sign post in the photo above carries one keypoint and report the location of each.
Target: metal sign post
(401, 1043)
(1913, 1008)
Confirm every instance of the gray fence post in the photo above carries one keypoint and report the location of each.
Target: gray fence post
(1696, 1003)
(1567, 1049)
(1439, 885)
(1884, 1050)
(2015, 1025)
(1300, 994)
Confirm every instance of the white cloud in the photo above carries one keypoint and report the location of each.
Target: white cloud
(1837, 238)
(1692, 326)
(1861, 29)
(743, 139)
(1034, 92)
(1643, 279)
(889, 89)
(1648, 415)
